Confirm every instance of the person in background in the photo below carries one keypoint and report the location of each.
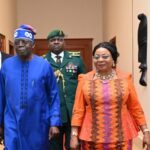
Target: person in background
(67, 66)
(107, 114)
(3, 55)
(29, 99)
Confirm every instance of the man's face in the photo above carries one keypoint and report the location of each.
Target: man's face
(23, 47)
(56, 44)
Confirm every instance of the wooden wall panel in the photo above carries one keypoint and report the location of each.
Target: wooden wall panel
(82, 45)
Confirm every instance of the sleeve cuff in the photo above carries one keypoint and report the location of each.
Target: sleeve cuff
(55, 121)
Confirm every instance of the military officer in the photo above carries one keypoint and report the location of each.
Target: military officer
(67, 66)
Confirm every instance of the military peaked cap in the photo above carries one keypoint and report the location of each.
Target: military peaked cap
(55, 33)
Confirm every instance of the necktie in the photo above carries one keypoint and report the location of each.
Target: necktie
(58, 59)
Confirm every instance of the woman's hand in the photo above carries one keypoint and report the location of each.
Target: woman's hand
(146, 140)
(74, 144)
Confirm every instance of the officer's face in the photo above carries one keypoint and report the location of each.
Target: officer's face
(23, 47)
(56, 44)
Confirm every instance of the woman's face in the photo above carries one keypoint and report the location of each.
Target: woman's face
(103, 60)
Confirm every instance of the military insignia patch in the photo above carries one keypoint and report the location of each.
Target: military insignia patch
(71, 68)
(74, 53)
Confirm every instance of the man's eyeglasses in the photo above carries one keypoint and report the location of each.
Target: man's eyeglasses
(59, 39)
(101, 56)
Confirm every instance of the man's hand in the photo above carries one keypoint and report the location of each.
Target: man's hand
(1, 135)
(53, 132)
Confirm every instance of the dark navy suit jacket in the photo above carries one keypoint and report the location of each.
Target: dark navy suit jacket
(4, 56)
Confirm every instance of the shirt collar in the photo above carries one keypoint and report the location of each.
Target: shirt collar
(53, 55)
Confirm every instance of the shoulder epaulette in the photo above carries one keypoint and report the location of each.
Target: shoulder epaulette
(75, 53)
(44, 55)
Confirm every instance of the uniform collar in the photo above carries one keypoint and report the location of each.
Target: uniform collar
(53, 55)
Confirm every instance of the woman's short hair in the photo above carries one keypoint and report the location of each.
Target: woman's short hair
(110, 47)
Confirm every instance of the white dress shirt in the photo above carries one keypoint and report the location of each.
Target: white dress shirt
(53, 55)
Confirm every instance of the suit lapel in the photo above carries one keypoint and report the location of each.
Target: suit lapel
(66, 59)
(51, 60)
(2, 57)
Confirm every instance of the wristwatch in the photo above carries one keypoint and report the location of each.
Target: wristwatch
(74, 133)
(146, 130)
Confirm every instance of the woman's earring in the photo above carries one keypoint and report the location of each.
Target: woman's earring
(113, 65)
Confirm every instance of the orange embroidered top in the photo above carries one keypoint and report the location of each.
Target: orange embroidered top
(107, 111)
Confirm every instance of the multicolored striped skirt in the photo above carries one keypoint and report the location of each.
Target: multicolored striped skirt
(126, 145)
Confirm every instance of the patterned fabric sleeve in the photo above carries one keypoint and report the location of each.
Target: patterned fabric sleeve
(134, 106)
(79, 104)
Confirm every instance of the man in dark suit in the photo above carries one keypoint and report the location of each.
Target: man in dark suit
(67, 66)
(3, 55)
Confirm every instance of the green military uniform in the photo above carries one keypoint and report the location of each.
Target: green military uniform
(67, 75)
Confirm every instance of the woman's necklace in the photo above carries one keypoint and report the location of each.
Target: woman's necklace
(105, 77)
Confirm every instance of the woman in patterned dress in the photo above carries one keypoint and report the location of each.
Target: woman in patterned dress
(107, 114)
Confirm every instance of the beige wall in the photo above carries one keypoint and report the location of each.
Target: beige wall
(8, 19)
(117, 21)
(78, 19)
(143, 92)
(120, 20)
